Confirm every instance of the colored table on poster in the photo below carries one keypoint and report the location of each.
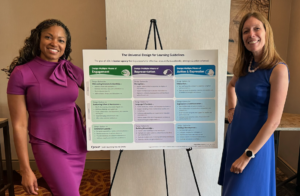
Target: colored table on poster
(149, 99)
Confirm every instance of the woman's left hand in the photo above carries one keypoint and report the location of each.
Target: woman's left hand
(240, 164)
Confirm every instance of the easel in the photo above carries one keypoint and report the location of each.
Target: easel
(155, 29)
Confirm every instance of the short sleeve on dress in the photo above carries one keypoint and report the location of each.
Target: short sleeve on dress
(16, 83)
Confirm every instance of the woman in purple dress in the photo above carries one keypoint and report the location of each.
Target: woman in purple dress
(256, 98)
(45, 84)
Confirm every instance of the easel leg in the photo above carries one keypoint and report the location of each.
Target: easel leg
(188, 151)
(166, 172)
(149, 35)
(155, 29)
(112, 182)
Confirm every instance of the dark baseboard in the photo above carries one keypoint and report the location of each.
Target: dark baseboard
(100, 164)
(285, 168)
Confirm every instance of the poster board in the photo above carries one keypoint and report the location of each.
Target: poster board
(150, 99)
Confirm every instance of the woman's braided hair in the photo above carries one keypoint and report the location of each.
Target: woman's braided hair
(31, 48)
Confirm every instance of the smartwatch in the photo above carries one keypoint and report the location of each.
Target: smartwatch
(249, 153)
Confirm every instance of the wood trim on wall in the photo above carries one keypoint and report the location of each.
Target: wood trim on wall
(99, 164)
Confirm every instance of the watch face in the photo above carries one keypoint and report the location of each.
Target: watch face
(249, 153)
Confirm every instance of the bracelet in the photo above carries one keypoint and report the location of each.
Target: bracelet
(230, 109)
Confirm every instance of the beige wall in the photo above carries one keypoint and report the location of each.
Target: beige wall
(290, 141)
(281, 24)
(285, 21)
(85, 20)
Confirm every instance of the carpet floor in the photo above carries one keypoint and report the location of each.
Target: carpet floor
(94, 183)
(97, 183)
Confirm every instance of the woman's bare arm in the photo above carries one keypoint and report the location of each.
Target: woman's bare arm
(279, 88)
(17, 108)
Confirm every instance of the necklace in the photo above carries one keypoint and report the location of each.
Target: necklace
(249, 67)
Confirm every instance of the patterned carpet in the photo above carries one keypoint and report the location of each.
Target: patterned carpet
(97, 183)
(289, 189)
(94, 183)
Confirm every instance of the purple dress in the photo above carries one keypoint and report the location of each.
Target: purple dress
(51, 90)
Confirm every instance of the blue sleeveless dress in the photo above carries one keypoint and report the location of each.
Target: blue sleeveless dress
(251, 112)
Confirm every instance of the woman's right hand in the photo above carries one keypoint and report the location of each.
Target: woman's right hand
(230, 115)
(29, 182)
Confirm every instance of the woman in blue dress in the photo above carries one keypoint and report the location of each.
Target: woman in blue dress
(256, 97)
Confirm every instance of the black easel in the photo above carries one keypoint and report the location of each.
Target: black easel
(155, 29)
(188, 152)
(112, 182)
(153, 22)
